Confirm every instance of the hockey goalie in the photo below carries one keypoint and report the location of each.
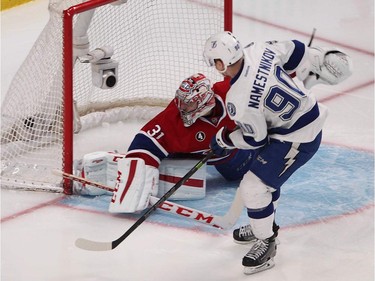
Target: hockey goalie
(165, 149)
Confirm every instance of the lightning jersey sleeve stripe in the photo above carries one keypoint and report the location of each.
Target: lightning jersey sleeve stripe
(253, 143)
(296, 57)
(307, 118)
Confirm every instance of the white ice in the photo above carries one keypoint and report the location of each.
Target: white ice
(38, 233)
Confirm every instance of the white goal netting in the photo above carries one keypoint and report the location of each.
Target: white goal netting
(156, 43)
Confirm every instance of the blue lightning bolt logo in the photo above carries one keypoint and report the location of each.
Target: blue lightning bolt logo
(290, 157)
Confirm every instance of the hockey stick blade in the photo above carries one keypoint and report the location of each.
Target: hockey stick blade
(89, 245)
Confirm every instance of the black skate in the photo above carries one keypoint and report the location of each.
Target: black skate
(260, 257)
(245, 235)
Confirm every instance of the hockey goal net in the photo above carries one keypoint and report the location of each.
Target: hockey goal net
(153, 45)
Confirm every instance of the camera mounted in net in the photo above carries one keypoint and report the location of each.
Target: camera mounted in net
(103, 68)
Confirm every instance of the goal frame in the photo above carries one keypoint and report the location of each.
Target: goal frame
(68, 64)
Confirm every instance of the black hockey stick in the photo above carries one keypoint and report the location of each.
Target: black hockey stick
(107, 246)
(312, 37)
(224, 222)
(309, 45)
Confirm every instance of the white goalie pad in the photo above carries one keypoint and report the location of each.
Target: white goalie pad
(100, 167)
(328, 66)
(172, 170)
(136, 182)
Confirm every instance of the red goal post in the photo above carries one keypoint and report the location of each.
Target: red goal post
(153, 46)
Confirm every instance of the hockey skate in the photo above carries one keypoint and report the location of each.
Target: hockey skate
(245, 235)
(260, 257)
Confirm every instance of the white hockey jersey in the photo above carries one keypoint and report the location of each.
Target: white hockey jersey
(265, 102)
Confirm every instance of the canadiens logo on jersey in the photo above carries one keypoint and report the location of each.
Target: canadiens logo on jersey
(231, 109)
(200, 136)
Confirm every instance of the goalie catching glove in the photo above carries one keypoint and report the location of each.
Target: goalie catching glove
(100, 167)
(327, 66)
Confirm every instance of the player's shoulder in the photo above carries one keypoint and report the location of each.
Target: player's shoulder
(222, 87)
(169, 117)
(170, 109)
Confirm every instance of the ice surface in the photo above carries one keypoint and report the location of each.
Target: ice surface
(326, 211)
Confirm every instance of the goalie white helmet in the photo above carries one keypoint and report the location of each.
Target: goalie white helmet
(194, 98)
(223, 46)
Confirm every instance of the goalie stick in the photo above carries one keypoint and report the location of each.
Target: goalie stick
(224, 222)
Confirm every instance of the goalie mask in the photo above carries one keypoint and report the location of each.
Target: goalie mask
(194, 98)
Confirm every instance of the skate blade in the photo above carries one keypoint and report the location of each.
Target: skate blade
(244, 242)
(255, 269)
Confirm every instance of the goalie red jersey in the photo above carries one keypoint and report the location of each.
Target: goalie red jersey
(166, 135)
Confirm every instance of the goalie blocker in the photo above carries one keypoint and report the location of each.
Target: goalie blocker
(134, 181)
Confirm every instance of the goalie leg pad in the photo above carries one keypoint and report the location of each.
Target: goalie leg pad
(135, 183)
(172, 170)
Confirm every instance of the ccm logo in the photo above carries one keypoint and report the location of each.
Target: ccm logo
(183, 211)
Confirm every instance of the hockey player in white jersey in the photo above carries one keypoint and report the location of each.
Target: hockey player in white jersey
(275, 117)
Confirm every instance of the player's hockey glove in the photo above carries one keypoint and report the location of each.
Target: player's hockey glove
(221, 144)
